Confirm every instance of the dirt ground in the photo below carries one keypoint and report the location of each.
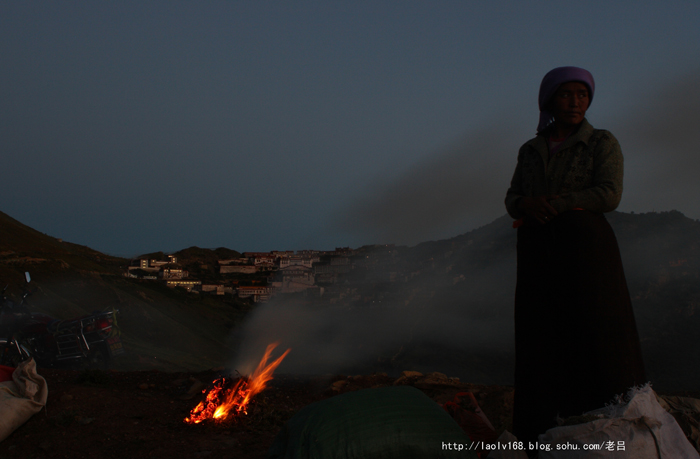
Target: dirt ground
(94, 414)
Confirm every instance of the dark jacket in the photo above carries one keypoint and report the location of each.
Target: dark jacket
(586, 172)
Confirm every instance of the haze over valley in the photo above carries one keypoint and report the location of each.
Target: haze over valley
(441, 305)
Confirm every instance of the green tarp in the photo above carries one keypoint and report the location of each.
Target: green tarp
(382, 423)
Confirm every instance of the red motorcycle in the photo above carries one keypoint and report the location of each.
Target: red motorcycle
(89, 341)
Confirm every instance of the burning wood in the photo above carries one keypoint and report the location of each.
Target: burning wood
(220, 402)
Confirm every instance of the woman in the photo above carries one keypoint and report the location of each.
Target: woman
(575, 335)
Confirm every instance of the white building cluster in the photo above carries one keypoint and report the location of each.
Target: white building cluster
(283, 272)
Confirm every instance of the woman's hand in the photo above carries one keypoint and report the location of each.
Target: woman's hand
(538, 208)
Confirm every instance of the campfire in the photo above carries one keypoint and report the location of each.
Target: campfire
(224, 400)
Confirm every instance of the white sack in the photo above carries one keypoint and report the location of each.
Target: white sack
(20, 398)
(647, 430)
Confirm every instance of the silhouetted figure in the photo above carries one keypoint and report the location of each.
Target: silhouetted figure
(576, 341)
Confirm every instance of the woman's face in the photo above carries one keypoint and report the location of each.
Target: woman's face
(570, 103)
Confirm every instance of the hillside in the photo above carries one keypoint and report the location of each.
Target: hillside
(448, 306)
(22, 246)
(161, 328)
(473, 279)
(439, 306)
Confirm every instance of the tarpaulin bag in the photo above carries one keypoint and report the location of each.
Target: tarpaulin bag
(380, 423)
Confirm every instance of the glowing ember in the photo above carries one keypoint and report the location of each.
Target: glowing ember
(221, 402)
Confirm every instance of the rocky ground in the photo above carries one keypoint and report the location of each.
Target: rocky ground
(95, 414)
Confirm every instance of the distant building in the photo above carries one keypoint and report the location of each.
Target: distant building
(219, 289)
(296, 260)
(258, 293)
(174, 273)
(238, 269)
(294, 278)
(187, 284)
(144, 265)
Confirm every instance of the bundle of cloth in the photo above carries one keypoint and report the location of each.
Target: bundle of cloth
(23, 392)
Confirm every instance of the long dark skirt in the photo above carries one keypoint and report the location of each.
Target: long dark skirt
(576, 341)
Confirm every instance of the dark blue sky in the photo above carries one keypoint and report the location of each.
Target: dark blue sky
(133, 127)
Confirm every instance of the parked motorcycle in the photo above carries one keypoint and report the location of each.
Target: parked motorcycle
(89, 341)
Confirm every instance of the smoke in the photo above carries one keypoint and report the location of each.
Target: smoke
(447, 193)
(444, 195)
(661, 150)
(329, 340)
(463, 186)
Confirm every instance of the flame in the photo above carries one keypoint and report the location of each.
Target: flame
(219, 402)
